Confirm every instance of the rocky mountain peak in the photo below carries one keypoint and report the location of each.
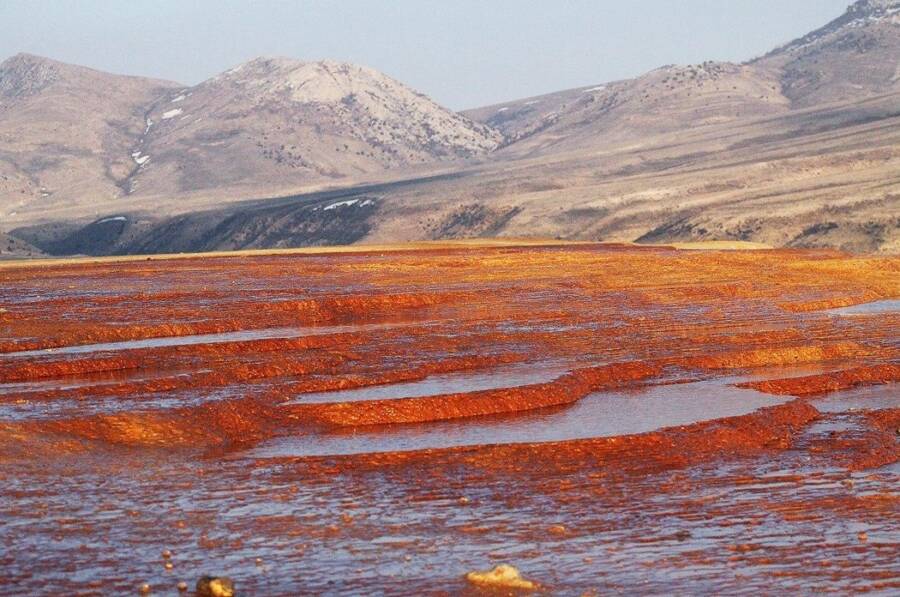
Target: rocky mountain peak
(272, 119)
(875, 8)
(25, 74)
(323, 82)
(334, 100)
(858, 15)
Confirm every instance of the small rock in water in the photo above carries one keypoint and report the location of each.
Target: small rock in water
(168, 565)
(182, 587)
(215, 586)
(463, 501)
(557, 529)
(144, 589)
(863, 536)
(166, 554)
(503, 575)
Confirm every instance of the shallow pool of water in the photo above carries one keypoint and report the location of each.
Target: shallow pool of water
(449, 383)
(872, 308)
(862, 398)
(601, 414)
(243, 335)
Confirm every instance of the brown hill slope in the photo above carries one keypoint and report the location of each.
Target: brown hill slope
(853, 56)
(826, 176)
(625, 112)
(276, 120)
(703, 152)
(74, 141)
(817, 177)
(66, 133)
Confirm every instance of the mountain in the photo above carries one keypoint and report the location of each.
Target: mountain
(66, 132)
(667, 99)
(277, 119)
(853, 56)
(827, 176)
(798, 147)
(75, 140)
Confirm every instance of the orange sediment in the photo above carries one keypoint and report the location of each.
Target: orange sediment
(109, 453)
(773, 428)
(823, 383)
(787, 355)
(566, 389)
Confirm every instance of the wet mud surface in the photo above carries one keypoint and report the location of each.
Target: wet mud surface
(606, 419)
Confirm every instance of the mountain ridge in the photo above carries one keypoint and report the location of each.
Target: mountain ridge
(248, 157)
(267, 122)
(857, 14)
(279, 117)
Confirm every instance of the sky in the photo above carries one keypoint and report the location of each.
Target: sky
(462, 53)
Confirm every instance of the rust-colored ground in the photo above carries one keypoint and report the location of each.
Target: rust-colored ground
(605, 418)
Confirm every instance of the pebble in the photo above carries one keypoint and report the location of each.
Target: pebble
(462, 501)
(503, 575)
(169, 565)
(182, 587)
(144, 589)
(863, 536)
(215, 586)
(166, 554)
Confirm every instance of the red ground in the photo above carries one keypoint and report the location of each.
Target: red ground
(223, 450)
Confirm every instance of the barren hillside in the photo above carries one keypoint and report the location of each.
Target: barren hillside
(78, 141)
(852, 58)
(800, 147)
(628, 112)
(276, 119)
(66, 133)
(856, 55)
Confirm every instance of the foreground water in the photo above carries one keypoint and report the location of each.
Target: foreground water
(384, 423)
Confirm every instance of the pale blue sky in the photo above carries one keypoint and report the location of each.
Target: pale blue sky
(462, 53)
